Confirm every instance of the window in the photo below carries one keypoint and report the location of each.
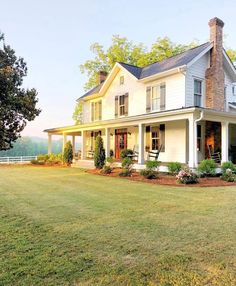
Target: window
(96, 110)
(122, 105)
(197, 92)
(158, 93)
(122, 80)
(155, 141)
(158, 137)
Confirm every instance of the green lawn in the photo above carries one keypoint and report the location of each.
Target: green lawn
(62, 226)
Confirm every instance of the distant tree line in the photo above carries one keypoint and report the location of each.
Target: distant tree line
(31, 146)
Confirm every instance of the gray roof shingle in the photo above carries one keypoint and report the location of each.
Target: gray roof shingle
(170, 63)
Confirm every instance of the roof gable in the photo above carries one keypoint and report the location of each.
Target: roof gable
(139, 73)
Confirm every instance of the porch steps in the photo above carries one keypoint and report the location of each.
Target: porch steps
(84, 164)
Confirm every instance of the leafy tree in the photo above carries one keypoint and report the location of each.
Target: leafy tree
(232, 54)
(77, 115)
(99, 153)
(17, 105)
(123, 50)
(68, 153)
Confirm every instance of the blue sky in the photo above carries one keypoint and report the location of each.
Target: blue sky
(54, 38)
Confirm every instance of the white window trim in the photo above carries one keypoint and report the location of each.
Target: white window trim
(94, 101)
(119, 115)
(202, 90)
(152, 86)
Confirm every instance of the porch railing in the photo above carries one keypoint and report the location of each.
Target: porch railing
(17, 159)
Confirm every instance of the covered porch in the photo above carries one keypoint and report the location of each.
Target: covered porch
(183, 135)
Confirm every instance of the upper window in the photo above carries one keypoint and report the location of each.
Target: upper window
(122, 80)
(122, 105)
(197, 92)
(96, 110)
(158, 97)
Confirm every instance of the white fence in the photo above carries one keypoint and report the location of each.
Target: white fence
(17, 159)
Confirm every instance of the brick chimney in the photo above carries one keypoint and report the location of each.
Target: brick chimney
(102, 75)
(215, 82)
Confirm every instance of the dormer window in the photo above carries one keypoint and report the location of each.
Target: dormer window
(122, 80)
(197, 92)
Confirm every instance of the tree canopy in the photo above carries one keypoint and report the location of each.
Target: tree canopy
(17, 105)
(123, 50)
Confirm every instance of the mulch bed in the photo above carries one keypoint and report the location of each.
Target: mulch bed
(165, 179)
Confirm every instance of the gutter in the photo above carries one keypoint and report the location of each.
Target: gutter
(195, 139)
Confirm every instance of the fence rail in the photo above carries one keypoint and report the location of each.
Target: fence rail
(17, 159)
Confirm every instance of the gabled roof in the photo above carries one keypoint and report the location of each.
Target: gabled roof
(173, 62)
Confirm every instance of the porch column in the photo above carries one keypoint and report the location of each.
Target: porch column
(49, 143)
(224, 141)
(192, 143)
(73, 146)
(64, 142)
(107, 142)
(141, 143)
(83, 144)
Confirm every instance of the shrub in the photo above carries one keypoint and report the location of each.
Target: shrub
(99, 153)
(207, 168)
(55, 159)
(36, 162)
(125, 173)
(127, 167)
(150, 172)
(186, 176)
(68, 153)
(124, 153)
(152, 165)
(228, 165)
(43, 157)
(106, 170)
(228, 176)
(174, 168)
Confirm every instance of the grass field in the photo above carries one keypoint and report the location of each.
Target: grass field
(62, 226)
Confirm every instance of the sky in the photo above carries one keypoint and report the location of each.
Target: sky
(54, 38)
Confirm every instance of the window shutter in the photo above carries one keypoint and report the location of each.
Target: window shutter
(162, 136)
(163, 97)
(126, 104)
(148, 99)
(92, 111)
(116, 105)
(100, 110)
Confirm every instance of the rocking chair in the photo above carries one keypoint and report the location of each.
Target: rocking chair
(216, 156)
(154, 153)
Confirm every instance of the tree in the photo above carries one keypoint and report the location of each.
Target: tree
(17, 105)
(232, 54)
(123, 50)
(68, 153)
(99, 153)
(77, 115)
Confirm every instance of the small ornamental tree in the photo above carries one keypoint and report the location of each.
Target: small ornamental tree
(99, 153)
(68, 153)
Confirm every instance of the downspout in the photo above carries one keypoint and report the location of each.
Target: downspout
(195, 139)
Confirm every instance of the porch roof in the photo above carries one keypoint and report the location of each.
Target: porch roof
(161, 116)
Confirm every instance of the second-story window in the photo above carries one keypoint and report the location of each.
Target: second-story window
(197, 92)
(156, 97)
(96, 110)
(122, 105)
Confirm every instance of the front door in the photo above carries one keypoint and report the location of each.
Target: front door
(120, 141)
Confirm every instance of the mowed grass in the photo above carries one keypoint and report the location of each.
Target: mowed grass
(62, 226)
